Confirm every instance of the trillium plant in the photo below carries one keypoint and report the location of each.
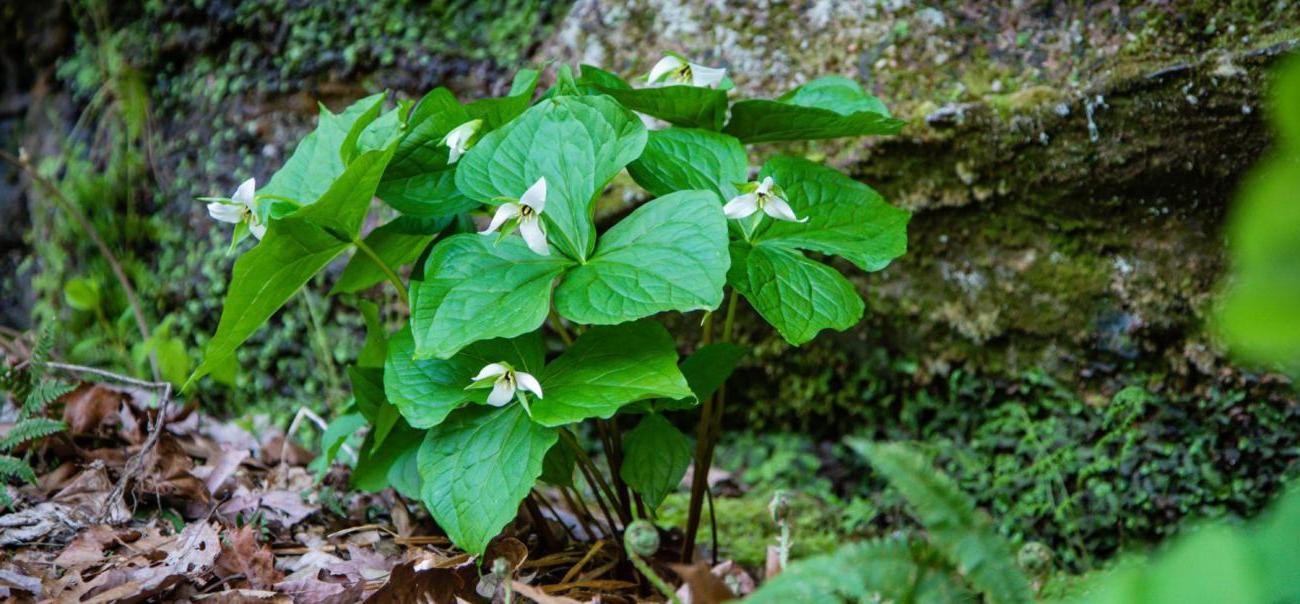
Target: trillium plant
(525, 354)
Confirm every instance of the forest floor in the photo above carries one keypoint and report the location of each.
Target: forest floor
(185, 507)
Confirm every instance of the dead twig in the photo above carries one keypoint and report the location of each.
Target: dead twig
(163, 395)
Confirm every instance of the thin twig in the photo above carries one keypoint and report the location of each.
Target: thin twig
(93, 233)
(133, 464)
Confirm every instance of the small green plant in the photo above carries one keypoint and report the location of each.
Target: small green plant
(517, 347)
(32, 390)
(960, 555)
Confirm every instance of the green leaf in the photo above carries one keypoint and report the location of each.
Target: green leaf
(478, 288)
(377, 467)
(829, 107)
(392, 244)
(845, 218)
(606, 368)
(368, 391)
(418, 181)
(669, 254)
(678, 159)
(348, 151)
(966, 537)
(82, 293)
(797, 296)
(499, 111)
(710, 366)
(688, 106)
(375, 348)
(557, 466)
(882, 570)
(577, 143)
(294, 250)
(426, 391)
(477, 467)
(655, 457)
(316, 162)
(331, 441)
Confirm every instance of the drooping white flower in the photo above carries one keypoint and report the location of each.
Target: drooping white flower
(766, 197)
(675, 69)
(460, 139)
(527, 214)
(240, 208)
(506, 384)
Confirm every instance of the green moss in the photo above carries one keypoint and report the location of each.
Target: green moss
(745, 526)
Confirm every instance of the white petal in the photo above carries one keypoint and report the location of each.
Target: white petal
(504, 213)
(529, 383)
(707, 77)
(777, 208)
(664, 67)
(257, 229)
(454, 154)
(225, 212)
(535, 196)
(741, 206)
(245, 193)
(534, 236)
(765, 187)
(502, 393)
(490, 370)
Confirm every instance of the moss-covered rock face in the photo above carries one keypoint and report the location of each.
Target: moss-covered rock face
(1069, 167)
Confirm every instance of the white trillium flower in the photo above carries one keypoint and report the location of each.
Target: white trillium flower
(458, 140)
(528, 214)
(240, 209)
(507, 383)
(673, 69)
(766, 197)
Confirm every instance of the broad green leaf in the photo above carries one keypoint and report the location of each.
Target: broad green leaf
(678, 159)
(393, 246)
(348, 151)
(427, 390)
(382, 132)
(557, 466)
(895, 569)
(418, 181)
(496, 112)
(606, 368)
(368, 392)
(845, 217)
(688, 106)
(316, 161)
(477, 467)
(377, 466)
(655, 457)
(829, 107)
(375, 348)
(335, 434)
(669, 254)
(577, 143)
(1286, 100)
(798, 296)
(478, 288)
(294, 250)
(83, 293)
(710, 366)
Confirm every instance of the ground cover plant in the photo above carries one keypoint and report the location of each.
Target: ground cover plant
(517, 347)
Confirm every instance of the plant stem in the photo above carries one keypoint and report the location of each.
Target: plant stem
(614, 459)
(558, 325)
(383, 266)
(132, 300)
(599, 488)
(706, 436)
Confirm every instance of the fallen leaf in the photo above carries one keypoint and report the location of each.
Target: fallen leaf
(12, 578)
(700, 585)
(43, 521)
(87, 548)
(244, 596)
(308, 587)
(283, 508)
(86, 408)
(241, 554)
(406, 584)
(220, 468)
(539, 596)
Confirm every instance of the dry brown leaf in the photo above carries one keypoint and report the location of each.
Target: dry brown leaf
(405, 584)
(306, 586)
(220, 467)
(87, 548)
(40, 522)
(241, 554)
(700, 585)
(283, 508)
(87, 407)
(244, 596)
(539, 596)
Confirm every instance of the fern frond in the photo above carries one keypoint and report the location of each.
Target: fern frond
(884, 570)
(12, 466)
(31, 429)
(43, 393)
(6, 500)
(36, 365)
(964, 535)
